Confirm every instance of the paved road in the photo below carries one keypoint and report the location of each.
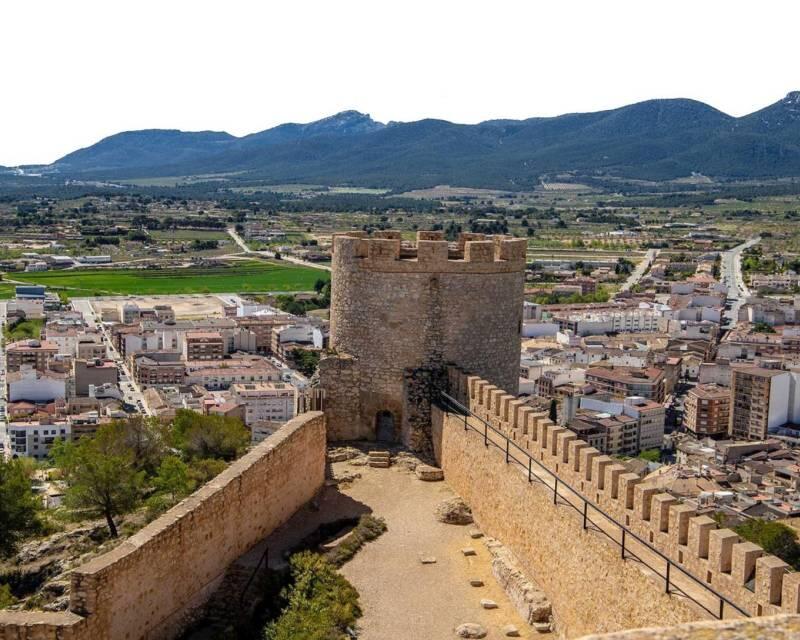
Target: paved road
(131, 392)
(731, 275)
(271, 254)
(640, 269)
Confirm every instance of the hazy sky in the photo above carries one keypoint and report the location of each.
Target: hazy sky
(72, 72)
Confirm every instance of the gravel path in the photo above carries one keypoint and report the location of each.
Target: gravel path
(401, 597)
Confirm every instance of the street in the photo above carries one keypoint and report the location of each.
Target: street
(271, 254)
(131, 392)
(640, 269)
(731, 275)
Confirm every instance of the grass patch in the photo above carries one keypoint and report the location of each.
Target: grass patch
(24, 330)
(368, 528)
(322, 604)
(241, 277)
(7, 291)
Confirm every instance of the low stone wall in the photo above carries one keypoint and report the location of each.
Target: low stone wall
(150, 586)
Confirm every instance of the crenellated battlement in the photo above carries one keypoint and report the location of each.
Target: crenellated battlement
(471, 253)
(759, 583)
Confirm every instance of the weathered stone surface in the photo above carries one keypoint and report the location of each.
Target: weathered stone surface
(153, 574)
(543, 627)
(510, 631)
(475, 534)
(470, 630)
(530, 601)
(464, 309)
(428, 473)
(454, 511)
(488, 604)
(781, 627)
(427, 560)
(468, 551)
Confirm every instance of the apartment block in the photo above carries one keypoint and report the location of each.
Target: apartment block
(707, 411)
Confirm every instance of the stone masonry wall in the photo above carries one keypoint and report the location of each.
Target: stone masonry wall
(398, 310)
(758, 583)
(150, 586)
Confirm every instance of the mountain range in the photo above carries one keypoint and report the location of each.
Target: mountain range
(651, 140)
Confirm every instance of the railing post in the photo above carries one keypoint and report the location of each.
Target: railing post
(585, 508)
(466, 428)
(530, 479)
(507, 441)
(485, 435)
(669, 564)
(721, 608)
(555, 491)
(623, 544)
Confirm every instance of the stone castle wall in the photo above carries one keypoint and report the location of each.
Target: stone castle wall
(150, 586)
(402, 312)
(592, 589)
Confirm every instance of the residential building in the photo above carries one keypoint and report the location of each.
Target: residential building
(88, 373)
(628, 381)
(202, 345)
(36, 353)
(707, 411)
(157, 368)
(265, 401)
(31, 385)
(760, 401)
(35, 439)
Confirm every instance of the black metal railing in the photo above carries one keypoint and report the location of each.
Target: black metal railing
(585, 508)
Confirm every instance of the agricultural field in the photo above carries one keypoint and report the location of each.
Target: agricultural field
(6, 291)
(246, 276)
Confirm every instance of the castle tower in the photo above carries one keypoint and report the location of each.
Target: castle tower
(400, 313)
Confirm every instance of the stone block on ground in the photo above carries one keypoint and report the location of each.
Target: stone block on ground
(510, 631)
(488, 604)
(428, 473)
(475, 533)
(475, 582)
(427, 560)
(454, 511)
(543, 627)
(470, 630)
(468, 551)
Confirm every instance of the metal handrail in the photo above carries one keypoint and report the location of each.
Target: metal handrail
(670, 587)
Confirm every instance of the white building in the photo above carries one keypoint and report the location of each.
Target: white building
(34, 439)
(31, 385)
(266, 401)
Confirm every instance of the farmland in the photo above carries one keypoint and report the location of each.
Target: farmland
(249, 276)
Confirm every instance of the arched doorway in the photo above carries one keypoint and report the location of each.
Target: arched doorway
(384, 426)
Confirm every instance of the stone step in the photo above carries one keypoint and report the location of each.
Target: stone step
(378, 454)
(381, 464)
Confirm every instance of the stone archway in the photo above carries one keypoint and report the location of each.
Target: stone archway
(385, 427)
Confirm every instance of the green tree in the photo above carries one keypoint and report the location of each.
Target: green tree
(19, 507)
(774, 537)
(201, 436)
(173, 479)
(101, 474)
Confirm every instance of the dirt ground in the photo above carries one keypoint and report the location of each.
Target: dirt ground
(185, 306)
(400, 596)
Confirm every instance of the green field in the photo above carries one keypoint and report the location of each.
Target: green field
(6, 291)
(189, 234)
(241, 277)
